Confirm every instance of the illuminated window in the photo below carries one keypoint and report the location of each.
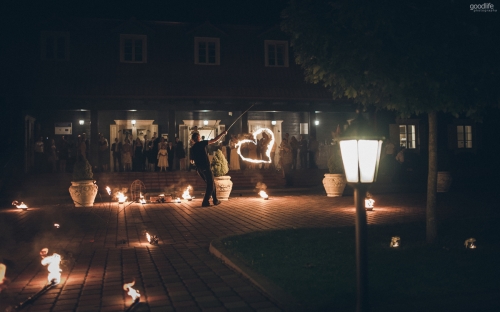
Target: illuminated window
(407, 136)
(133, 49)
(464, 136)
(276, 53)
(206, 51)
(55, 46)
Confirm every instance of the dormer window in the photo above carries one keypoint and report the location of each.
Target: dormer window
(276, 53)
(206, 51)
(55, 45)
(133, 49)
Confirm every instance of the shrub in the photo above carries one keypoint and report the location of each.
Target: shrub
(82, 171)
(219, 165)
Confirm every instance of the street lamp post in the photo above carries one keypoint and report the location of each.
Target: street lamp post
(360, 149)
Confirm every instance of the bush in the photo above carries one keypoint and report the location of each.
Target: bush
(82, 171)
(219, 165)
(335, 164)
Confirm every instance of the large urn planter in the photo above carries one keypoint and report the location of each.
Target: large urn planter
(223, 187)
(444, 180)
(334, 184)
(83, 193)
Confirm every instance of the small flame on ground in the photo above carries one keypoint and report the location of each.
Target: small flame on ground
(108, 190)
(53, 268)
(177, 200)
(186, 195)
(395, 241)
(263, 194)
(19, 205)
(44, 252)
(469, 243)
(148, 237)
(131, 292)
(121, 197)
(369, 203)
(3, 268)
(56, 225)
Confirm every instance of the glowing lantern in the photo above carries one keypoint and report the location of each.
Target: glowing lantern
(53, 262)
(131, 291)
(395, 241)
(469, 243)
(263, 194)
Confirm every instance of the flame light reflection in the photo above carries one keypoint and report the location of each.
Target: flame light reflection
(254, 141)
(131, 291)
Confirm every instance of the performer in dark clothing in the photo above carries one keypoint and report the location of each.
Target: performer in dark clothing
(200, 157)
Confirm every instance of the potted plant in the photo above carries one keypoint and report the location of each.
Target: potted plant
(83, 189)
(223, 183)
(335, 181)
(444, 177)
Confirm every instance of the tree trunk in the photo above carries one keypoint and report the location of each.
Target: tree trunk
(431, 226)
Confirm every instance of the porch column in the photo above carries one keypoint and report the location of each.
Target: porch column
(172, 125)
(94, 138)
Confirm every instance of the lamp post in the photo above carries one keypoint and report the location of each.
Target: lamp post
(360, 149)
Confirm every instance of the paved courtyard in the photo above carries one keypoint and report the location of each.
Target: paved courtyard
(105, 246)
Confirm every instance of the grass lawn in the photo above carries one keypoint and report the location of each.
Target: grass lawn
(317, 266)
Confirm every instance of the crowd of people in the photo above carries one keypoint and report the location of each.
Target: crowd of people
(157, 154)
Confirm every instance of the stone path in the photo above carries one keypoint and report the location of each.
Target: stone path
(105, 246)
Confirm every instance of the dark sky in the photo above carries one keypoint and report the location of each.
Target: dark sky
(217, 11)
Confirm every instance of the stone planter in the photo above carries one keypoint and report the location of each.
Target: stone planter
(83, 193)
(334, 184)
(444, 180)
(223, 187)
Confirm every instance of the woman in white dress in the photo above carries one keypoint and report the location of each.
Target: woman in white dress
(163, 156)
(234, 163)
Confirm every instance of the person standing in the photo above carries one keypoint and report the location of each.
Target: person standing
(294, 144)
(286, 161)
(200, 157)
(127, 155)
(117, 159)
(39, 155)
(138, 162)
(52, 156)
(303, 152)
(103, 153)
(234, 157)
(313, 152)
(180, 154)
(63, 152)
(171, 155)
(162, 155)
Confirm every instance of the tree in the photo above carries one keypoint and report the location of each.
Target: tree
(420, 57)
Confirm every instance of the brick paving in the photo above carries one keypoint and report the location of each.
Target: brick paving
(105, 246)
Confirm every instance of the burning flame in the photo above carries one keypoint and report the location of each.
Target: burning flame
(19, 205)
(369, 203)
(395, 241)
(108, 190)
(121, 197)
(53, 268)
(263, 194)
(177, 200)
(254, 141)
(132, 292)
(56, 225)
(148, 237)
(141, 198)
(186, 195)
(469, 243)
(3, 268)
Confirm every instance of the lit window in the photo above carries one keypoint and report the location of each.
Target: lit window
(207, 51)
(276, 53)
(133, 49)
(407, 136)
(464, 136)
(55, 46)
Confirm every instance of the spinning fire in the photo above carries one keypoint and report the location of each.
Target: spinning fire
(254, 141)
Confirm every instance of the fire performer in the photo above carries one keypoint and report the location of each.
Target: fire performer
(200, 157)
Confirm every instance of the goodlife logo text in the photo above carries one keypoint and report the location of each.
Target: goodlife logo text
(485, 7)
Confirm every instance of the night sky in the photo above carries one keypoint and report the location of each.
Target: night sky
(217, 11)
